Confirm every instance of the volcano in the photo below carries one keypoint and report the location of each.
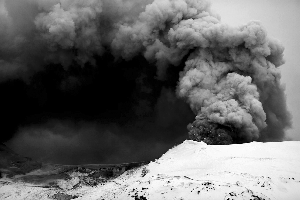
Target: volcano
(191, 170)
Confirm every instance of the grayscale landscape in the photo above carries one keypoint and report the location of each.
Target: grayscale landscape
(149, 99)
(191, 170)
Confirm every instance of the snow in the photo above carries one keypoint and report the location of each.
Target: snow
(194, 170)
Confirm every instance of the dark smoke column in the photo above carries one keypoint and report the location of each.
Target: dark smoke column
(211, 133)
(230, 79)
(229, 82)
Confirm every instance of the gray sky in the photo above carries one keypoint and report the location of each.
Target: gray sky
(281, 20)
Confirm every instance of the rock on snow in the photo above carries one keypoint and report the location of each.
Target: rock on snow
(194, 170)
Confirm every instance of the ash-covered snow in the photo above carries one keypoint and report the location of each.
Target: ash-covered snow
(194, 170)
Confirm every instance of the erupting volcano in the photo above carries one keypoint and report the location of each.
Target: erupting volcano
(231, 76)
(127, 77)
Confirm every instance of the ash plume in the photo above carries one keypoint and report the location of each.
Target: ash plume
(37, 33)
(134, 63)
(231, 73)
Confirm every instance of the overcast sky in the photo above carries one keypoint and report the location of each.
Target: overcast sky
(282, 21)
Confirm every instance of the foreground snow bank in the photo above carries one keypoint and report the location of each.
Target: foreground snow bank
(194, 170)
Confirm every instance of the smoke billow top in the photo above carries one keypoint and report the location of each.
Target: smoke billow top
(165, 51)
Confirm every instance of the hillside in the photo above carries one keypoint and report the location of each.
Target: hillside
(191, 170)
(12, 164)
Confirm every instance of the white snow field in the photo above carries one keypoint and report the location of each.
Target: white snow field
(194, 171)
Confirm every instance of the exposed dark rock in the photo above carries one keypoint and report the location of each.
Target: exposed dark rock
(62, 196)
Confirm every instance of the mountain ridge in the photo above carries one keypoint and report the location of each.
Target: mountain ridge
(189, 171)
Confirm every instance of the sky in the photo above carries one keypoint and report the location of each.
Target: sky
(281, 20)
(68, 98)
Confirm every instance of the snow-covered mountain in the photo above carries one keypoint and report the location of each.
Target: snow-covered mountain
(191, 170)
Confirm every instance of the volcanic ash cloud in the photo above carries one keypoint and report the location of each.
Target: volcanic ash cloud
(231, 77)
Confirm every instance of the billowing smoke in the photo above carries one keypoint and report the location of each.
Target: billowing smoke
(35, 33)
(135, 53)
(230, 76)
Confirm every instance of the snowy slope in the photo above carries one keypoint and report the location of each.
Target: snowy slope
(194, 170)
